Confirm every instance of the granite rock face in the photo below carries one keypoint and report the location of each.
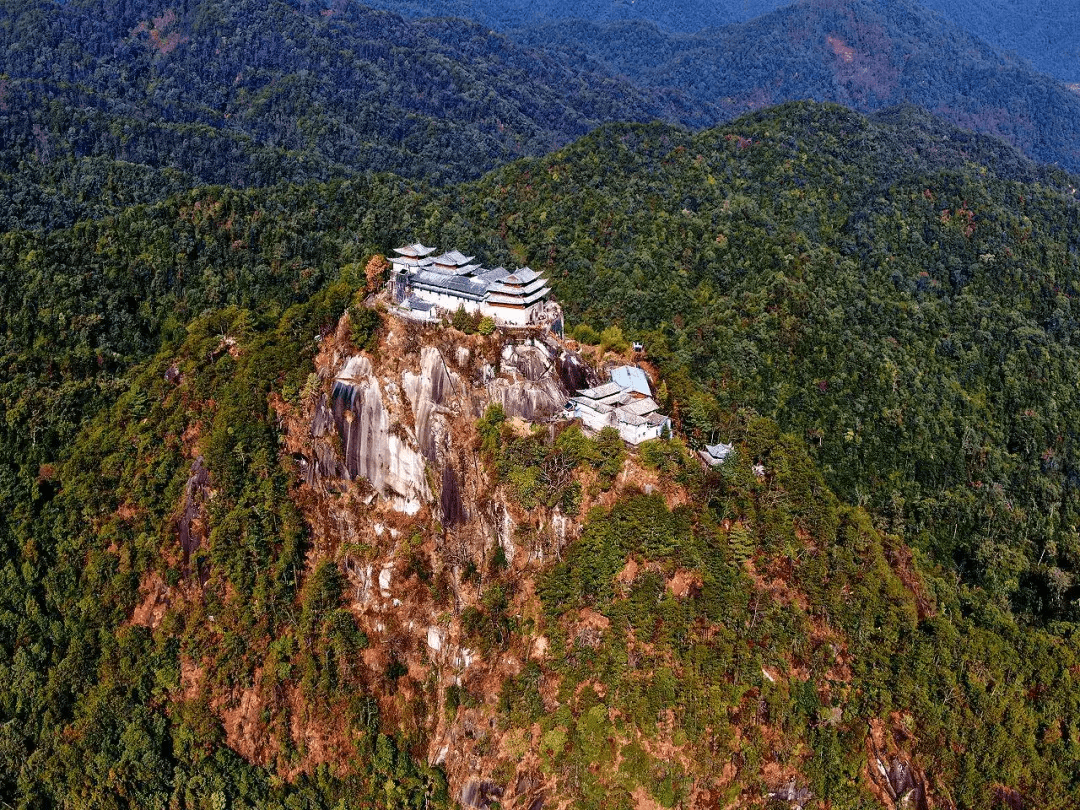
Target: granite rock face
(428, 391)
(533, 384)
(393, 424)
(369, 449)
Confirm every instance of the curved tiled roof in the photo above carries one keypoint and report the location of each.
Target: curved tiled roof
(415, 250)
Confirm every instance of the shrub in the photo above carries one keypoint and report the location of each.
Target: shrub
(364, 325)
(612, 340)
(583, 333)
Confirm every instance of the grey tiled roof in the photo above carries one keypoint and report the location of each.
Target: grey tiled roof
(414, 250)
(507, 287)
(601, 391)
(453, 257)
(450, 285)
(418, 304)
(641, 407)
(520, 300)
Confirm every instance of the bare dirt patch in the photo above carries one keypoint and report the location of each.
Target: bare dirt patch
(155, 601)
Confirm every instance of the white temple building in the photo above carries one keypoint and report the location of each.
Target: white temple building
(450, 281)
(625, 404)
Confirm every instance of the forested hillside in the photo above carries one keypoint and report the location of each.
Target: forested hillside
(878, 312)
(864, 55)
(902, 297)
(680, 15)
(1044, 33)
(104, 106)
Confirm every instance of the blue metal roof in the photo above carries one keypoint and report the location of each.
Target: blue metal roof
(632, 378)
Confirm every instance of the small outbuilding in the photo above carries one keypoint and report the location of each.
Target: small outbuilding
(716, 454)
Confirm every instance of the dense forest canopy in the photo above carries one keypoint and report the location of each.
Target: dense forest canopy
(878, 311)
(864, 55)
(1044, 33)
(106, 106)
(900, 296)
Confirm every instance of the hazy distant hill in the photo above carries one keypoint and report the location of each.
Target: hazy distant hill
(1045, 32)
(682, 15)
(104, 106)
(865, 55)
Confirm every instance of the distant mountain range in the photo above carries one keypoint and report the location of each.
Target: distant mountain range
(1045, 32)
(864, 55)
(102, 107)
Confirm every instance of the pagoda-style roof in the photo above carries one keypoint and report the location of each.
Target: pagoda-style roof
(504, 287)
(453, 258)
(517, 300)
(450, 270)
(493, 275)
(415, 250)
(522, 275)
(410, 261)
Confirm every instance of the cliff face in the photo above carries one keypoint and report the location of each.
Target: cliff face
(399, 424)
(536, 657)
(396, 493)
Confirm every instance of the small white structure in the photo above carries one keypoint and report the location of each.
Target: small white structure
(716, 454)
(621, 405)
(451, 281)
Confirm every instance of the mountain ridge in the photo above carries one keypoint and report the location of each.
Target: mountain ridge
(242, 94)
(861, 54)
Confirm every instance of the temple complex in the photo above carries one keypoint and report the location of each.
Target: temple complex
(451, 281)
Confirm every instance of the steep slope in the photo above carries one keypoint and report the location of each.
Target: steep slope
(865, 55)
(102, 106)
(867, 285)
(393, 594)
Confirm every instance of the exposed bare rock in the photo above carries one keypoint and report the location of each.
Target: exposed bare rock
(480, 794)
(1009, 798)
(795, 795)
(192, 524)
(427, 392)
(506, 534)
(453, 510)
(528, 361)
(899, 784)
(572, 371)
(532, 385)
(371, 450)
